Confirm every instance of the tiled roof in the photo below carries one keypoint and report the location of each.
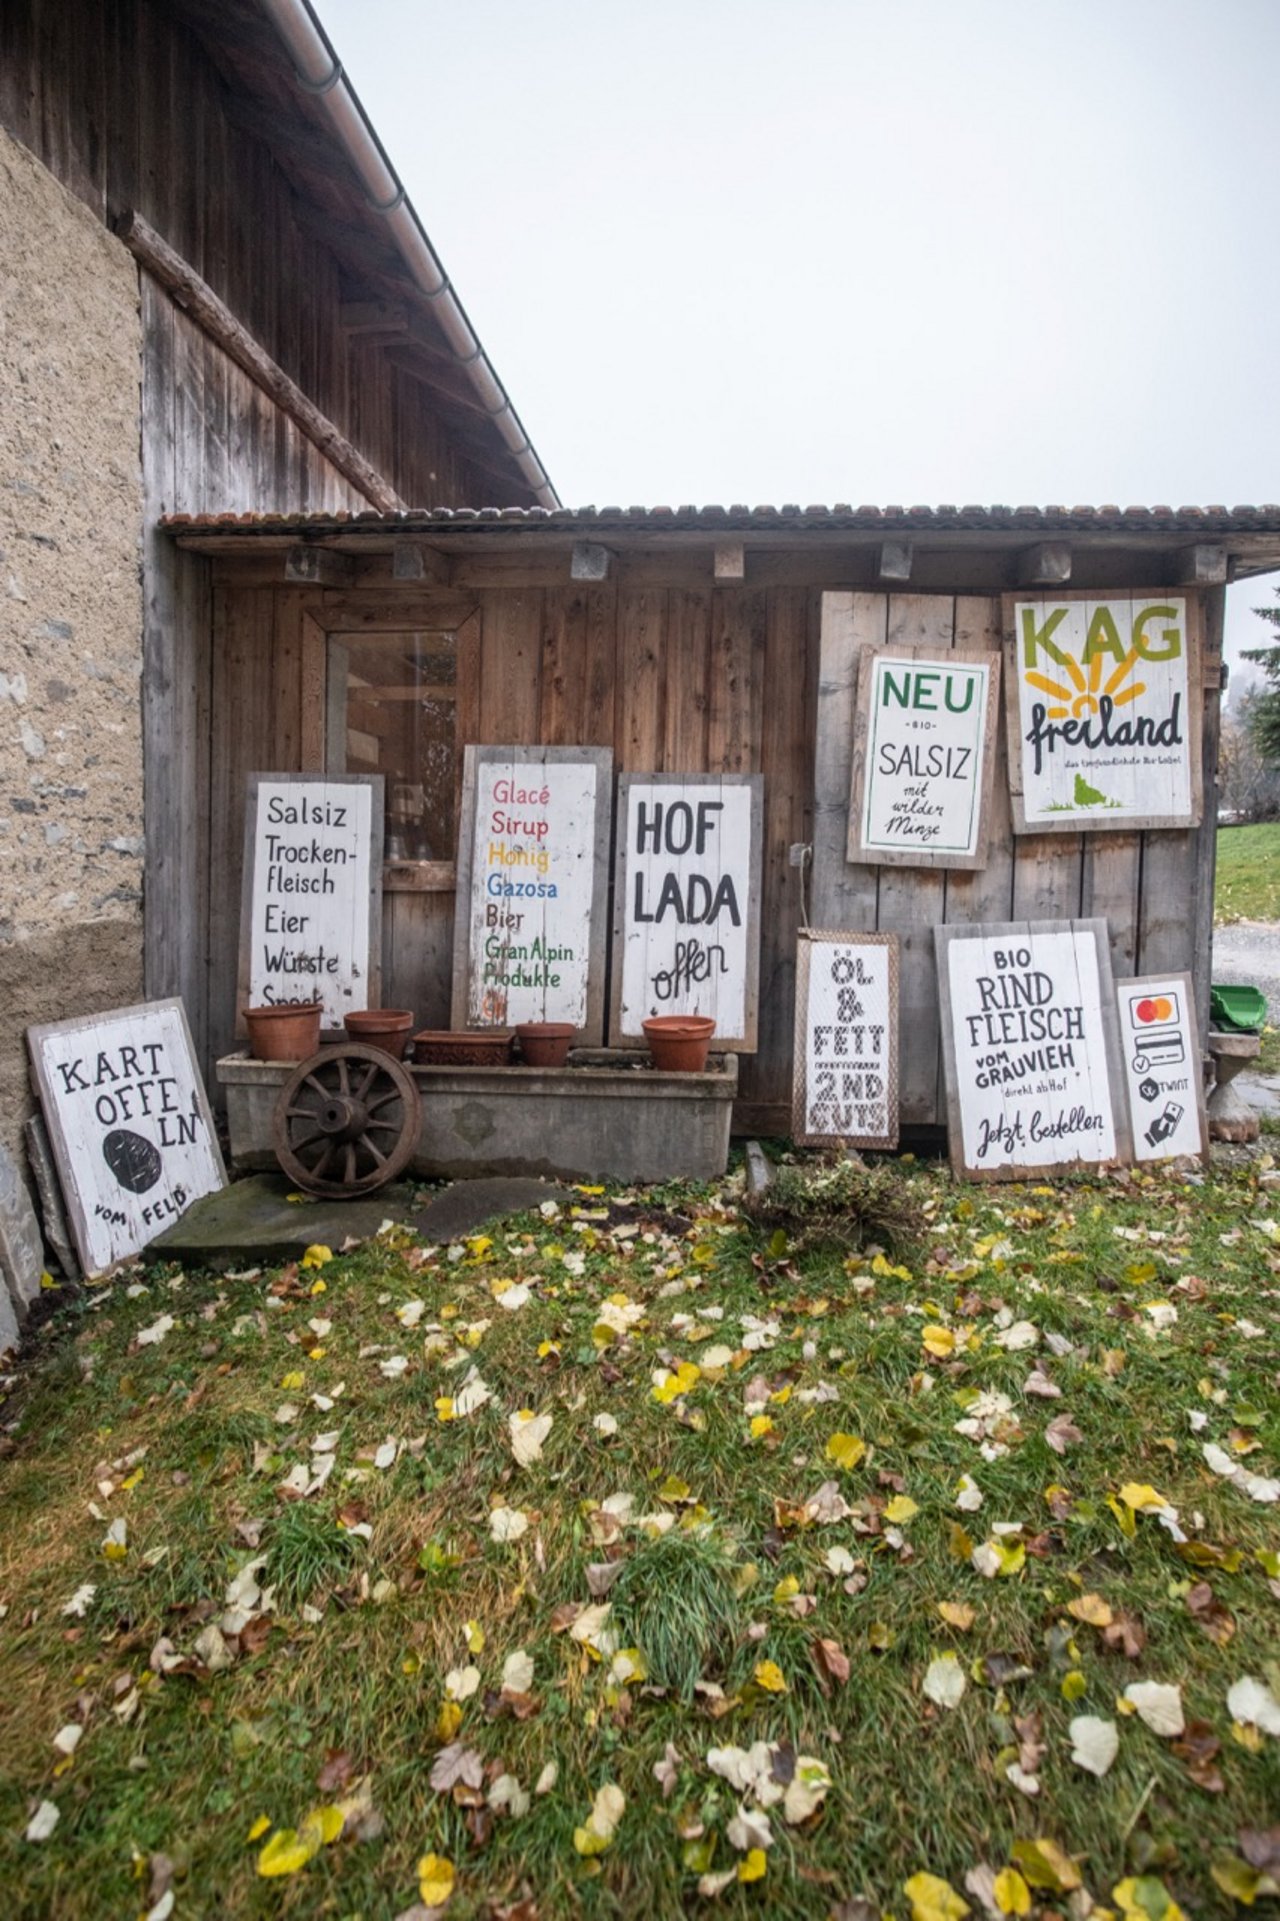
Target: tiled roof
(742, 519)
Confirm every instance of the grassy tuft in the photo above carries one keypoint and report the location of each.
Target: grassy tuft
(675, 1601)
(841, 1205)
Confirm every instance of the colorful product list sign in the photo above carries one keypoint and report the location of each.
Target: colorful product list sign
(531, 862)
(1029, 1038)
(311, 927)
(1162, 1066)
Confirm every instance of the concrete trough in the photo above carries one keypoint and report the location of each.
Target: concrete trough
(606, 1116)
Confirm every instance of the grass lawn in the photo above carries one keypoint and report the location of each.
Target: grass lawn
(1248, 873)
(793, 1581)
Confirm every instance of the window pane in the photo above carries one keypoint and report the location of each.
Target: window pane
(391, 701)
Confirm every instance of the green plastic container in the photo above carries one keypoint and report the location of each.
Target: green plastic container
(1243, 1009)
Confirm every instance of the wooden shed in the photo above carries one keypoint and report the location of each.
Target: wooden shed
(688, 640)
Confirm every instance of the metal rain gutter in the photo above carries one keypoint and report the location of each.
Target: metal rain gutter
(320, 72)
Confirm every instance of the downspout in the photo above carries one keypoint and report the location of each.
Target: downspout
(320, 72)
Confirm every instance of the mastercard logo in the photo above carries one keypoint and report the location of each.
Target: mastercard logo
(1154, 1008)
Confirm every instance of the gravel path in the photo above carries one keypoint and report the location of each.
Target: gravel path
(1247, 953)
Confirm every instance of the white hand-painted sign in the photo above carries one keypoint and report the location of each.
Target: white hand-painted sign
(532, 871)
(925, 721)
(1029, 1036)
(687, 903)
(129, 1124)
(846, 1041)
(311, 927)
(1104, 711)
(1162, 1066)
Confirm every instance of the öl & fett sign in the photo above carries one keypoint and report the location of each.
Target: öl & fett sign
(924, 724)
(533, 845)
(1104, 707)
(687, 903)
(1030, 1048)
(129, 1124)
(311, 923)
(846, 1044)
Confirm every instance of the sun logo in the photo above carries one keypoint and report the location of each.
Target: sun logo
(1080, 699)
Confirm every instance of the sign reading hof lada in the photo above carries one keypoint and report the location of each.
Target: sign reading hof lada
(687, 903)
(924, 721)
(1029, 1042)
(532, 869)
(129, 1124)
(1104, 712)
(1162, 1066)
(846, 1044)
(311, 925)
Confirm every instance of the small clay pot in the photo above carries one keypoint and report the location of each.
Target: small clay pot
(289, 1033)
(385, 1027)
(545, 1043)
(679, 1043)
(464, 1047)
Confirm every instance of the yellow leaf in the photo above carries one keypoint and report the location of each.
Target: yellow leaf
(760, 1426)
(674, 1489)
(1045, 1865)
(47, 1281)
(933, 1899)
(1073, 1685)
(444, 1407)
(259, 1827)
(880, 1637)
(130, 1481)
(900, 1510)
(475, 1637)
(845, 1450)
(1013, 1896)
(753, 1865)
(788, 1586)
(326, 1822)
(319, 1287)
(1137, 1495)
(957, 1614)
(435, 1880)
(1124, 1515)
(1144, 1898)
(1092, 1610)
(940, 1342)
(295, 1379)
(769, 1676)
(287, 1852)
(316, 1256)
(449, 1720)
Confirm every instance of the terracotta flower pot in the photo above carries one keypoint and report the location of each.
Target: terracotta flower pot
(385, 1027)
(466, 1047)
(289, 1033)
(679, 1043)
(545, 1043)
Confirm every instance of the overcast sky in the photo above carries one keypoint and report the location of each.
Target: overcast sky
(825, 250)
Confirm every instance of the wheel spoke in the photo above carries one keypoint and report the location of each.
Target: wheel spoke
(349, 1172)
(379, 1157)
(392, 1094)
(322, 1161)
(321, 1089)
(344, 1078)
(308, 1140)
(365, 1084)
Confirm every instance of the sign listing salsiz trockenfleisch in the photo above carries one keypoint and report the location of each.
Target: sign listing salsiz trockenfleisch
(1030, 1048)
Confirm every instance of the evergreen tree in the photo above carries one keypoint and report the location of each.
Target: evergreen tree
(1264, 706)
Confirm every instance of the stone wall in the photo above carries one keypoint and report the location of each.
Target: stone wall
(70, 617)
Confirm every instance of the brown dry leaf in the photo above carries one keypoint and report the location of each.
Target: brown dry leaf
(1210, 1615)
(456, 1764)
(337, 1771)
(1061, 1433)
(1126, 1635)
(958, 1615)
(1092, 1610)
(830, 1662)
(1261, 1849)
(1198, 1747)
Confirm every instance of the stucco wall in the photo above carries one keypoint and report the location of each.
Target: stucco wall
(70, 617)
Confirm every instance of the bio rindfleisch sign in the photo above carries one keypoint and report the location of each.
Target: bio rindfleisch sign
(1104, 711)
(1029, 1045)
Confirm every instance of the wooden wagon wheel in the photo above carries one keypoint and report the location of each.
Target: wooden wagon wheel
(347, 1121)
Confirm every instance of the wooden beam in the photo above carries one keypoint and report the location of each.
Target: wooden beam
(415, 560)
(199, 300)
(1048, 565)
(894, 562)
(589, 562)
(730, 560)
(373, 317)
(1202, 566)
(318, 567)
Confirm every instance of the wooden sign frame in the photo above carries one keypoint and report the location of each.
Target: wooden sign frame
(1102, 819)
(137, 1097)
(1137, 1078)
(376, 785)
(916, 854)
(809, 939)
(630, 785)
(1017, 935)
(463, 1013)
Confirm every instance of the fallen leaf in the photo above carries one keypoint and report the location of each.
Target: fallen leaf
(1159, 1705)
(1094, 1743)
(528, 1433)
(435, 1879)
(933, 1899)
(944, 1681)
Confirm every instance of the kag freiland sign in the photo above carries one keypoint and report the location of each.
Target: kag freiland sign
(532, 873)
(129, 1125)
(1161, 1052)
(924, 723)
(311, 921)
(1104, 711)
(846, 1040)
(687, 903)
(1030, 1048)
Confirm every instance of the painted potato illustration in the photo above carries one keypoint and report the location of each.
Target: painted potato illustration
(133, 1160)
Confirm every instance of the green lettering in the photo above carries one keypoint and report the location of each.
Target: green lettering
(1103, 636)
(1172, 636)
(900, 694)
(1031, 639)
(924, 696)
(969, 682)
